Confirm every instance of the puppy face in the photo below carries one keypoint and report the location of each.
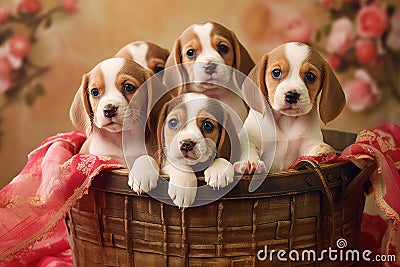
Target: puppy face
(147, 54)
(104, 95)
(209, 51)
(291, 76)
(192, 130)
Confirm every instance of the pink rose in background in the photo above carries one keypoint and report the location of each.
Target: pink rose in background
(327, 3)
(299, 30)
(69, 6)
(20, 46)
(372, 20)
(3, 15)
(334, 61)
(361, 91)
(29, 6)
(366, 51)
(341, 37)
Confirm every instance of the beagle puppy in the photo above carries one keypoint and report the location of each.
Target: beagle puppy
(204, 59)
(147, 54)
(109, 101)
(196, 134)
(289, 80)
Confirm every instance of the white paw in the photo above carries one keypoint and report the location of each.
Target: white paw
(321, 150)
(182, 197)
(144, 174)
(249, 166)
(219, 174)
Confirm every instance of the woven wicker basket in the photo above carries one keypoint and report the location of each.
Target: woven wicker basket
(304, 209)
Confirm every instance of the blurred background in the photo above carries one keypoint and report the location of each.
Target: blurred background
(46, 46)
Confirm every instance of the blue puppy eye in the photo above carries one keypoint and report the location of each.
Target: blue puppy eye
(310, 77)
(191, 53)
(276, 73)
(208, 126)
(173, 123)
(95, 92)
(129, 88)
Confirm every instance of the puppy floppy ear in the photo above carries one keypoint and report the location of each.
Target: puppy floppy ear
(254, 88)
(160, 135)
(243, 60)
(228, 146)
(173, 72)
(157, 96)
(332, 98)
(81, 113)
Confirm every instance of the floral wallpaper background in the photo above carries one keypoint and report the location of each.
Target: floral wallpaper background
(47, 45)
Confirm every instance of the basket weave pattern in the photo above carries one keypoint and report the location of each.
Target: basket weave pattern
(112, 226)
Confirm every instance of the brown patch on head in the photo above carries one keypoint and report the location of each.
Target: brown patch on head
(131, 73)
(95, 81)
(241, 58)
(276, 60)
(204, 117)
(156, 57)
(189, 40)
(163, 138)
(220, 37)
(313, 64)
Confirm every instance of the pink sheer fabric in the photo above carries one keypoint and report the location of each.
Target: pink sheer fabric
(33, 205)
(383, 146)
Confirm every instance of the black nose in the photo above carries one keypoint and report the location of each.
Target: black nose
(291, 97)
(110, 111)
(210, 67)
(187, 145)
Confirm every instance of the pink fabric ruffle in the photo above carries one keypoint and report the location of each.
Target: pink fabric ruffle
(33, 205)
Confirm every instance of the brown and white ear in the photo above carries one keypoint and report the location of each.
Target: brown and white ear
(243, 60)
(81, 110)
(332, 98)
(160, 133)
(173, 73)
(157, 96)
(228, 146)
(254, 88)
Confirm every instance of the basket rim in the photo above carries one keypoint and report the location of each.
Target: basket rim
(291, 182)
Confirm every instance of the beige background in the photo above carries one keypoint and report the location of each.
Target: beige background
(74, 44)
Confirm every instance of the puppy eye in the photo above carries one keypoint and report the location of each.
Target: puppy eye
(191, 53)
(95, 92)
(223, 49)
(173, 123)
(276, 73)
(310, 77)
(208, 126)
(158, 69)
(129, 88)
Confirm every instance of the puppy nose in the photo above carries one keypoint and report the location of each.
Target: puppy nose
(292, 97)
(110, 111)
(187, 145)
(210, 68)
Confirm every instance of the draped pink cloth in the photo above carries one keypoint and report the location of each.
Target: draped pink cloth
(381, 145)
(33, 205)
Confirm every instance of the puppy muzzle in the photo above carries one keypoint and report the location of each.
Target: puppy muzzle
(110, 111)
(292, 97)
(187, 145)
